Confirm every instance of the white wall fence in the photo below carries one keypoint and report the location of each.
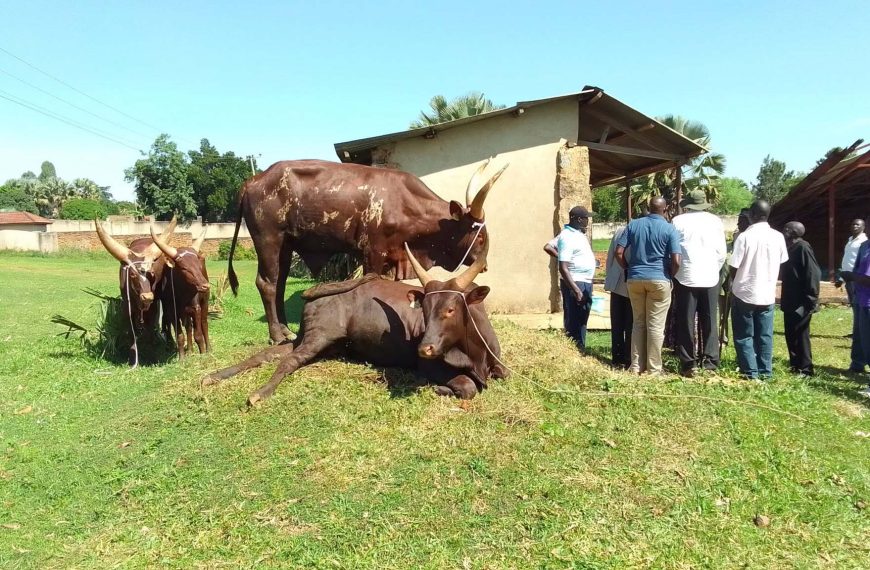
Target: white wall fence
(605, 230)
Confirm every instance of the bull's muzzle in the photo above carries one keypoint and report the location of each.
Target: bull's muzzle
(427, 351)
(203, 288)
(146, 297)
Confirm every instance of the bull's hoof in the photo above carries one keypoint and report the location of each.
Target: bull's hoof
(254, 399)
(443, 391)
(209, 381)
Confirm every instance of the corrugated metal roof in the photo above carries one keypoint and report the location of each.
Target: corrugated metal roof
(22, 218)
(655, 146)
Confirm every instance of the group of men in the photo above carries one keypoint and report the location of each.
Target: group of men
(653, 262)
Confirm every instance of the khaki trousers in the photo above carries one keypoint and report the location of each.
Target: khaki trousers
(650, 301)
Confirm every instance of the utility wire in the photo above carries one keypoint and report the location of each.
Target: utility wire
(63, 119)
(79, 91)
(50, 94)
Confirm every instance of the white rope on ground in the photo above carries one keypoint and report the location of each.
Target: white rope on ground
(615, 394)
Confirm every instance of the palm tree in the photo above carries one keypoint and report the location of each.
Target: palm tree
(51, 194)
(474, 103)
(701, 172)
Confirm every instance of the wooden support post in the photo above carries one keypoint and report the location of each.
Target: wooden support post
(628, 208)
(832, 267)
(678, 182)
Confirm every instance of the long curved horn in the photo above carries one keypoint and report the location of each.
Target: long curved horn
(153, 252)
(477, 205)
(197, 243)
(470, 274)
(472, 184)
(118, 251)
(418, 269)
(167, 249)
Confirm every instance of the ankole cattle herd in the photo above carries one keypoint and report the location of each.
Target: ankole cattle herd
(399, 227)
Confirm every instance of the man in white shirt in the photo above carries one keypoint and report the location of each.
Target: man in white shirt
(696, 284)
(576, 268)
(620, 306)
(850, 254)
(755, 263)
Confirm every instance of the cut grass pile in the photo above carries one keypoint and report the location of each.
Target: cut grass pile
(354, 467)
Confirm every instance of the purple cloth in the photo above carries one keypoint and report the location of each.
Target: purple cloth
(862, 267)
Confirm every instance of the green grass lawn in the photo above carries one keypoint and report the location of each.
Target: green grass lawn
(600, 244)
(353, 467)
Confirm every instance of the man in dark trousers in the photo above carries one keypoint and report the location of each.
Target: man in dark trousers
(800, 296)
(577, 268)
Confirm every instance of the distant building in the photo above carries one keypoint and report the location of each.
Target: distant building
(22, 231)
(559, 149)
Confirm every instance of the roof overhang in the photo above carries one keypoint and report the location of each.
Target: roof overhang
(623, 142)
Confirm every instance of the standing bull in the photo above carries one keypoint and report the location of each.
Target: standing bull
(440, 329)
(319, 208)
(140, 276)
(184, 295)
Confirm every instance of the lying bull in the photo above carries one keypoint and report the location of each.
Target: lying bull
(318, 208)
(184, 295)
(440, 329)
(140, 277)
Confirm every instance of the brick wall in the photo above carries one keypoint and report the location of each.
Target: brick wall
(89, 241)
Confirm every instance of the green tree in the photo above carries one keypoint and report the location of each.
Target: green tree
(734, 195)
(161, 181)
(47, 171)
(608, 203)
(442, 111)
(14, 197)
(774, 181)
(216, 180)
(51, 195)
(83, 209)
(127, 208)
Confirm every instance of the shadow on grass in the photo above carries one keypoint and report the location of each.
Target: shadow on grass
(292, 308)
(840, 383)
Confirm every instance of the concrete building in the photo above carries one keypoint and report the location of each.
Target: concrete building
(22, 230)
(559, 150)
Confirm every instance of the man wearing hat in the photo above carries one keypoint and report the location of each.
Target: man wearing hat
(576, 268)
(696, 284)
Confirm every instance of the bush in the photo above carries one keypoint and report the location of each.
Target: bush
(241, 252)
(83, 209)
(15, 198)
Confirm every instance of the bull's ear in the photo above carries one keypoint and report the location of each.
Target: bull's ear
(415, 298)
(456, 210)
(477, 295)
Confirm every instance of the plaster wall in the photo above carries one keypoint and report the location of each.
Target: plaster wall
(522, 208)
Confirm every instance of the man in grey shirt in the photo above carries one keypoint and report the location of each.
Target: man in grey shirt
(620, 306)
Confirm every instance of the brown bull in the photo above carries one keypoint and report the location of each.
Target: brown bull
(319, 208)
(140, 276)
(440, 329)
(184, 295)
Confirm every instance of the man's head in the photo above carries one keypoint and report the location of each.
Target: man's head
(578, 217)
(658, 205)
(759, 211)
(696, 201)
(743, 220)
(793, 231)
(856, 228)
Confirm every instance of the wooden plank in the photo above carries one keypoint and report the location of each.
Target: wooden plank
(604, 134)
(632, 151)
(631, 132)
(831, 255)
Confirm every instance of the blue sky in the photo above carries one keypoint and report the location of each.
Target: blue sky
(286, 80)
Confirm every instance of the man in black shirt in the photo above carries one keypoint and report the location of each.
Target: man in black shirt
(800, 296)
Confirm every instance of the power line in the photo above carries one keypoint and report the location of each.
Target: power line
(63, 119)
(73, 104)
(79, 91)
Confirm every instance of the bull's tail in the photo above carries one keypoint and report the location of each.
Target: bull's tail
(327, 289)
(231, 273)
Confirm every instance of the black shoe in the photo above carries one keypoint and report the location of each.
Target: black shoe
(688, 373)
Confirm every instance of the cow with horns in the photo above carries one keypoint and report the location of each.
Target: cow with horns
(184, 295)
(318, 208)
(440, 329)
(140, 276)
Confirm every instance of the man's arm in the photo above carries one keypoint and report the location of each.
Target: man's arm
(676, 259)
(551, 251)
(566, 277)
(620, 257)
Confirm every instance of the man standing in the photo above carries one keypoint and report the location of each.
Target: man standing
(758, 253)
(655, 257)
(850, 254)
(860, 277)
(696, 284)
(800, 295)
(576, 267)
(620, 306)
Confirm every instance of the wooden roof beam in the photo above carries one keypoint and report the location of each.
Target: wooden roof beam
(632, 151)
(632, 132)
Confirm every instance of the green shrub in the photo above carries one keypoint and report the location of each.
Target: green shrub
(83, 209)
(241, 252)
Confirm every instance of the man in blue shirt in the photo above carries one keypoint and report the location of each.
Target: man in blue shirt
(655, 259)
(576, 268)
